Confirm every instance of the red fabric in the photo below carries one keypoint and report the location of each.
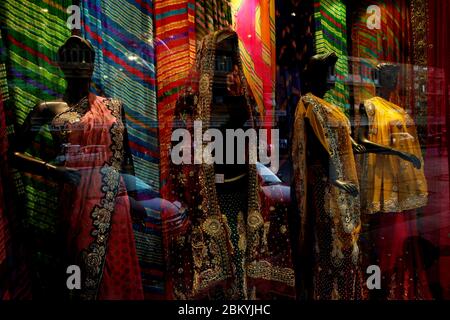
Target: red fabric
(91, 140)
(395, 241)
(438, 119)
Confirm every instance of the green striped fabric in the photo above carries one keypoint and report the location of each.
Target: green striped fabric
(33, 31)
(210, 16)
(331, 35)
(3, 83)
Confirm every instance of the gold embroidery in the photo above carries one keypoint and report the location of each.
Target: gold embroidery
(419, 25)
(204, 85)
(265, 270)
(212, 226)
(94, 256)
(394, 205)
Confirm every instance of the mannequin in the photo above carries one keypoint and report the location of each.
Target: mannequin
(388, 75)
(393, 186)
(233, 242)
(317, 83)
(386, 130)
(230, 111)
(326, 191)
(90, 140)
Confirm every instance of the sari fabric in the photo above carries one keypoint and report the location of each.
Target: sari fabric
(97, 211)
(438, 106)
(254, 22)
(390, 184)
(31, 40)
(122, 35)
(200, 242)
(175, 43)
(329, 217)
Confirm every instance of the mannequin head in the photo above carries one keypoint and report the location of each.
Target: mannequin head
(76, 58)
(229, 109)
(317, 71)
(387, 76)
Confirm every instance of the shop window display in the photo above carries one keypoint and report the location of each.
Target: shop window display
(224, 150)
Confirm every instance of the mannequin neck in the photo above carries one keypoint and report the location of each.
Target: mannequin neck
(76, 90)
(384, 92)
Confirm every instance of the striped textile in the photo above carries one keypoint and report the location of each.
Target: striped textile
(211, 15)
(122, 34)
(4, 94)
(391, 43)
(331, 35)
(33, 32)
(175, 46)
(254, 22)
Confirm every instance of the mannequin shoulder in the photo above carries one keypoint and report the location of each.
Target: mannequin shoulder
(49, 109)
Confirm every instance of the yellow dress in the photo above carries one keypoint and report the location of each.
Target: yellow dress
(331, 214)
(389, 183)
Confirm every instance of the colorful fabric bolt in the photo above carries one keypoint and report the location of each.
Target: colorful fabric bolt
(254, 22)
(331, 36)
(211, 15)
(175, 46)
(122, 34)
(33, 33)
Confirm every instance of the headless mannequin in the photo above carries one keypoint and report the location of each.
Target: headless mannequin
(76, 60)
(392, 241)
(388, 74)
(317, 72)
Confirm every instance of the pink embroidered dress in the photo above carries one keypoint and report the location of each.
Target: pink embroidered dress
(96, 212)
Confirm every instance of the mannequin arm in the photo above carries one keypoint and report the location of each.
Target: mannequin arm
(357, 148)
(372, 147)
(333, 175)
(346, 186)
(26, 133)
